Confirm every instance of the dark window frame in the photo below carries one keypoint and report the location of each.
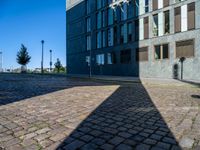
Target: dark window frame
(125, 56)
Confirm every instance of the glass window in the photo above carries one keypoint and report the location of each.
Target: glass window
(99, 39)
(137, 30)
(99, 20)
(155, 25)
(88, 20)
(100, 59)
(129, 32)
(88, 7)
(104, 18)
(124, 12)
(89, 42)
(98, 2)
(146, 6)
(136, 7)
(111, 58)
(165, 51)
(104, 2)
(110, 1)
(157, 52)
(130, 9)
(104, 39)
(110, 16)
(161, 52)
(125, 56)
(122, 34)
(166, 22)
(87, 59)
(110, 37)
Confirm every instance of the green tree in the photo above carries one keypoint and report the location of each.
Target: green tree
(23, 58)
(58, 65)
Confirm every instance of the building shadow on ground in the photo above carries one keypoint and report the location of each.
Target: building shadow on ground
(18, 87)
(128, 119)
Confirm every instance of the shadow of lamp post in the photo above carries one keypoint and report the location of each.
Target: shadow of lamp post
(181, 60)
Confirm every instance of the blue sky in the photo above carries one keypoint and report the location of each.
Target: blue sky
(29, 22)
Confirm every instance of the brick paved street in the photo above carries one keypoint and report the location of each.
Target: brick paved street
(47, 112)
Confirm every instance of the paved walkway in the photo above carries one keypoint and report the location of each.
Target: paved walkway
(46, 112)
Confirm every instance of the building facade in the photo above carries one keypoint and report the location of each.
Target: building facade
(144, 38)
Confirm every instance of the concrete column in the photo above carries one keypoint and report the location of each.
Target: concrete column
(171, 16)
(197, 14)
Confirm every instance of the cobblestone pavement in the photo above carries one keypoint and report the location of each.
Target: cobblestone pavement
(46, 112)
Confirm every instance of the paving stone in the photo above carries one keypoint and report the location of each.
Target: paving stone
(150, 142)
(133, 132)
(32, 147)
(110, 130)
(186, 142)
(123, 147)
(107, 146)
(163, 145)
(169, 140)
(156, 148)
(138, 138)
(116, 140)
(11, 142)
(6, 138)
(161, 133)
(45, 143)
(74, 145)
(156, 137)
(84, 129)
(89, 146)
(28, 136)
(95, 133)
(44, 130)
(41, 137)
(98, 141)
(28, 142)
(130, 142)
(53, 111)
(57, 137)
(176, 147)
(68, 140)
(87, 138)
(15, 147)
(144, 134)
(124, 134)
(142, 147)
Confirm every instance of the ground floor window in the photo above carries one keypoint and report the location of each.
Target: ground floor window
(142, 54)
(125, 56)
(111, 58)
(185, 48)
(87, 59)
(161, 52)
(100, 59)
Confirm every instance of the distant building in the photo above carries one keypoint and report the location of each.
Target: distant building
(144, 38)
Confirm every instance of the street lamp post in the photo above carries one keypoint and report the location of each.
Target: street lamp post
(42, 70)
(1, 61)
(50, 60)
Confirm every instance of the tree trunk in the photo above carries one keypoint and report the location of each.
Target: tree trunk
(23, 69)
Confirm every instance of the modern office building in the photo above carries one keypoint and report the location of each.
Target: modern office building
(144, 38)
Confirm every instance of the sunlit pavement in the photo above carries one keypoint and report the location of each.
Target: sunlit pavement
(48, 112)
